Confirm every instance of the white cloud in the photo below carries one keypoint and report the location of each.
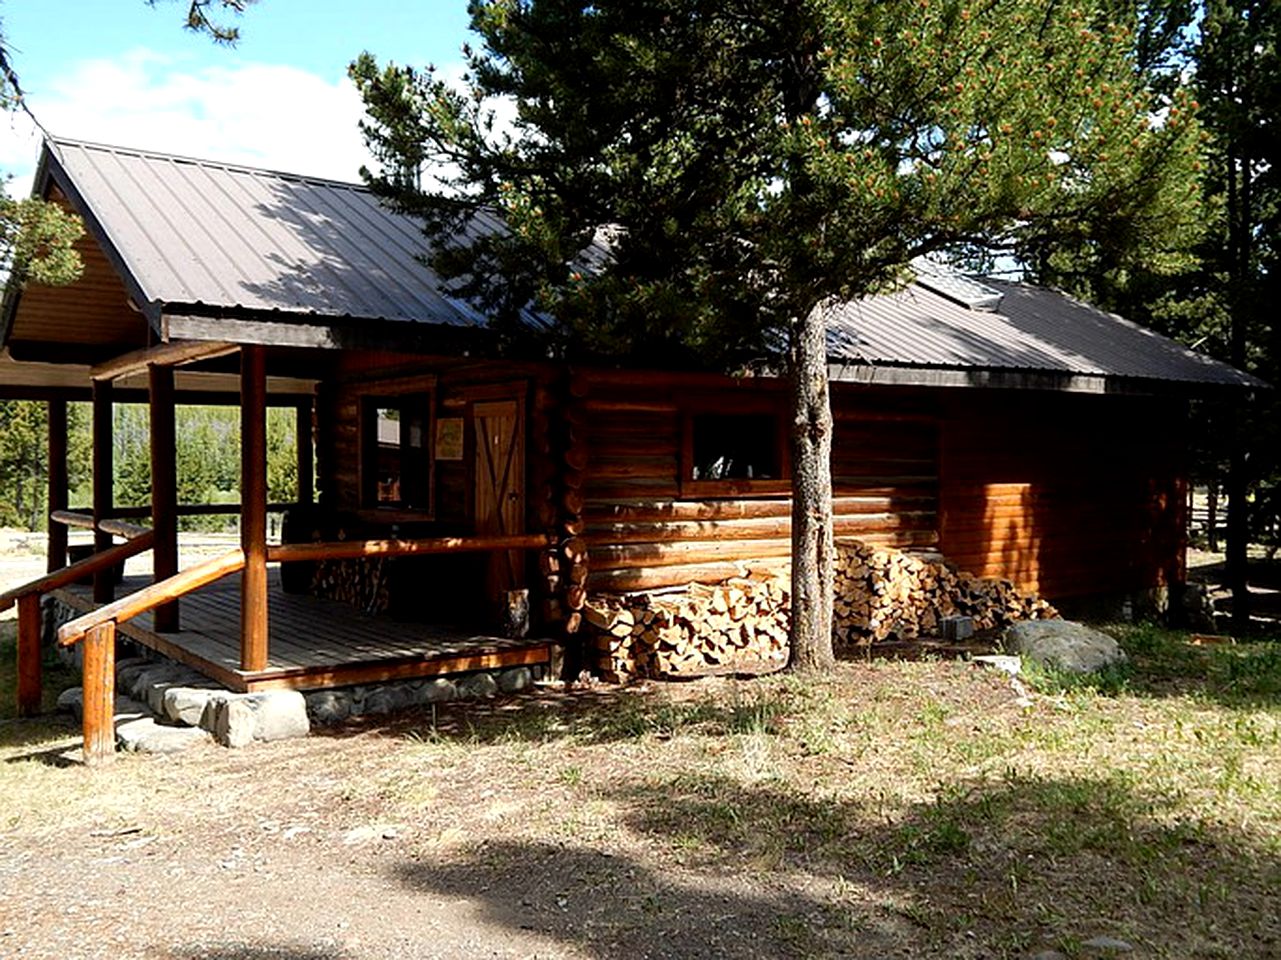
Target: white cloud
(258, 114)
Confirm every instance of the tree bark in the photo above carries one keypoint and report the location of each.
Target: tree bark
(813, 550)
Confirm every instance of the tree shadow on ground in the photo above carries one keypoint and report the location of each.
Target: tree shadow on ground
(249, 951)
(987, 869)
(584, 713)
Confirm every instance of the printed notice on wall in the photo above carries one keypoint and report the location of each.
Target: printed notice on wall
(449, 438)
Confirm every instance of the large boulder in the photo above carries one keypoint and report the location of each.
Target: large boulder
(236, 719)
(1062, 644)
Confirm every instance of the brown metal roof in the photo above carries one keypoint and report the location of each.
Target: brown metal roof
(194, 234)
(1031, 329)
(209, 238)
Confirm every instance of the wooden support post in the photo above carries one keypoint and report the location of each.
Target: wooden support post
(253, 508)
(306, 480)
(30, 681)
(164, 488)
(57, 539)
(103, 476)
(99, 678)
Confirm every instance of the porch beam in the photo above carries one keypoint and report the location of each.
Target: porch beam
(164, 487)
(306, 454)
(172, 354)
(103, 475)
(56, 549)
(253, 508)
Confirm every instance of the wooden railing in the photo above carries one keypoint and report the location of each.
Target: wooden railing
(97, 629)
(28, 596)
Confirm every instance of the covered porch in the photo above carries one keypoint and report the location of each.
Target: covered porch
(312, 643)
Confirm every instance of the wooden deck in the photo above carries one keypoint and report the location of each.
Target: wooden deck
(314, 643)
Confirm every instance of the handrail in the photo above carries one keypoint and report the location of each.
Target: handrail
(148, 598)
(123, 528)
(356, 549)
(81, 568)
(182, 509)
(73, 518)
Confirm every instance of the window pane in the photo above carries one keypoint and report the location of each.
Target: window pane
(735, 447)
(388, 468)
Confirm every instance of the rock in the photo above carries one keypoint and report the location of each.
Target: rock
(237, 719)
(388, 698)
(185, 705)
(1063, 644)
(279, 714)
(329, 706)
(72, 701)
(229, 719)
(1107, 943)
(515, 679)
(435, 690)
(147, 736)
(997, 661)
(127, 670)
(476, 686)
(155, 674)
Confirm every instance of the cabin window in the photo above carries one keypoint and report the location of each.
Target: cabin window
(396, 452)
(731, 454)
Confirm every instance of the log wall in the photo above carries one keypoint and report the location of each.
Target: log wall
(646, 530)
(1066, 495)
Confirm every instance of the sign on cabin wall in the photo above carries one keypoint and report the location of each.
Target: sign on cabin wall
(449, 438)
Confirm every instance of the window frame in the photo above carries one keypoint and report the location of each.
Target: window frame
(691, 489)
(394, 392)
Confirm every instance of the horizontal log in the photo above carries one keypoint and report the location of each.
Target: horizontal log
(82, 568)
(170, 354)
(685, 553)
(148, 598)
(73, 518)
(197, 509)
(123, 528)
(356, 549)
(663, 510)
(846, 525)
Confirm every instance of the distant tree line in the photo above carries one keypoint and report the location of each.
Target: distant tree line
(208, 454)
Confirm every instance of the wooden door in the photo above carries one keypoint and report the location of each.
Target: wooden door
(499, 432)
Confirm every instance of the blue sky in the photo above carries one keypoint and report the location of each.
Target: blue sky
(122, 72)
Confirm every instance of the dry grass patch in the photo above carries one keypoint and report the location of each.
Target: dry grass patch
(892, 809)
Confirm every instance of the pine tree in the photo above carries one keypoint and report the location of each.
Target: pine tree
(750, 161)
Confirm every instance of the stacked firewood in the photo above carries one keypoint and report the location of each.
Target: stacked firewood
(883, 593)
(742, 624)
(362, 583)
(739, 624)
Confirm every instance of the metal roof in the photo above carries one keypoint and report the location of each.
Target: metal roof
(1031, 329)
(213, 238)
(196, 234)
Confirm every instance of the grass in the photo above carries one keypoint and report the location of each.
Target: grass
(57, 676)
(891, 809)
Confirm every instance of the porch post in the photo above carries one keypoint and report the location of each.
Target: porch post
(103, 475)
(57, 539)
(164, 487)
(253, 508)
(303, 442)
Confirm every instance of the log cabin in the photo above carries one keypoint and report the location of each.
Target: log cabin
(1011, 430)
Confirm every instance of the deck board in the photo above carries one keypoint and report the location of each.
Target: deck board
(313, 642)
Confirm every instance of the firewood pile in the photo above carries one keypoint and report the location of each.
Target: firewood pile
(882, 593)
(742, 624)
(731, 625)
(362, 583)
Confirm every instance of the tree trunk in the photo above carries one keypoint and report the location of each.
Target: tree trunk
(1240, 270)
(813, 551)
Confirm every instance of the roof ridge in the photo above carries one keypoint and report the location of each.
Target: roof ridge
(55, 142)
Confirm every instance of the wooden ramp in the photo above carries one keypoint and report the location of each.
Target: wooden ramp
(314, 643)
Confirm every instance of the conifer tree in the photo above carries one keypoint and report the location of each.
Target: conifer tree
(749, 162)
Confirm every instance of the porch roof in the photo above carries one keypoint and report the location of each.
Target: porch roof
(217, 251)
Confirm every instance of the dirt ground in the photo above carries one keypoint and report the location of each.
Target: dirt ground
(895, 809)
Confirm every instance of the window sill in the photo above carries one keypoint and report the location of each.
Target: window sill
(724, 489)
